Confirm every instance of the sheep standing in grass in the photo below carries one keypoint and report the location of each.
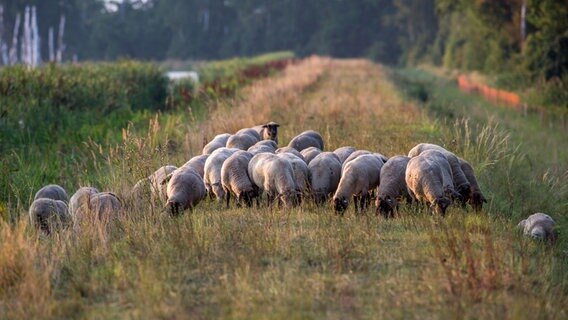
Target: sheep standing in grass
(427, 181)
(300, 169)
(104, 206)
(344, 152)
(324, 175)
(185, 189)
(52, 191)
(235, 179)
(268, 131)
(263, 146)
(243, 139)
(358, 177)
(157, 187)
(79, 202)
(393, 186)
(290, 150)
(310, 153)
(539, 226)
(219, 141)
(462, 185)
(197, 163)
(212, 175)
(476, 197)
(48, 214)
(307, 139)
(275, 176)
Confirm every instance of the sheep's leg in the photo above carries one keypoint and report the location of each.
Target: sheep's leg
(356, 203)
(228, 196)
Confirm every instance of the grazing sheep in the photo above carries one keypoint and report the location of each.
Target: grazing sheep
(359, 153)
(290, 150)
(310, 153)
(243, 139)
(249, 131)
(307, 139)
(393, 186)
(274, 175)
(197, 163)
(185, 190)
(344, 152)
(235, 179)
(300, 169)
(104, 206)
(80, 200)
(263, 146)
(219, 141)
(52, 191)
(268, 143)
(156, 181)
(268, 131)
(358, 177)
(426, 178)
(460, 180)
(476, 197)
(539, 226)
(47, 214)
(212, 175)
(324, 176)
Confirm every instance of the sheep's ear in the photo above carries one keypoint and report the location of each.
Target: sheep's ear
(265, 126)
(167, 179)
(275, 125)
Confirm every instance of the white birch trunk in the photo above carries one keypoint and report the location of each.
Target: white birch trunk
(60, 44)
(50, 45)
(13, 54)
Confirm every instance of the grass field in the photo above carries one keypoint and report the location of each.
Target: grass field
(306, 262)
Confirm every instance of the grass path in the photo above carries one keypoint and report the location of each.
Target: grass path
(303, 263)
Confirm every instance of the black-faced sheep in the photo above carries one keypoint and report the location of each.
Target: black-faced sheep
(275, 176)
(268, 131)
(476, 197)
(392, 188)
(185, 189)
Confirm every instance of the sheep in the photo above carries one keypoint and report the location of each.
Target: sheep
(47, 214)
(344, 152)
(249, 131)
(358, 177)
(243, 139)
(290, 150)
(79, 202)
(393, 186)
(185, 189)
(155, 180)
(300, 169)
(268, 131)
(476, 197)
(427, 180)
(104, 206)
(324, 174)
(539, 226)
(219, 141)
(212, 172)
(310, 153)
(359, 153)
(263, 146)
(268, 143)
(307, 139)
(52, 191)
(197, 163)
(274, 175)
(461, 182)
(235, 179)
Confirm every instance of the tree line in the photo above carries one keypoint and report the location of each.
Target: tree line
(527, 39)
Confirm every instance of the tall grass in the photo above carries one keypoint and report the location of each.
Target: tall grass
(302, 263)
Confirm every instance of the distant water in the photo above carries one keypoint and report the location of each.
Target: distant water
(178, 75)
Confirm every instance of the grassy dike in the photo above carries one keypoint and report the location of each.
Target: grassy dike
(303, 263)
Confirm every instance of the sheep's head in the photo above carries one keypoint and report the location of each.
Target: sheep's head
(340, 204)
(476, 200)
(173, 207)
(441, 204)
(290, 199)
(248, 197)
(386, 206)
(320, 198)
(272, 130)
(464, 191)
(218, 191)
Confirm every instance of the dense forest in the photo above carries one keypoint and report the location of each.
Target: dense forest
(524, 41)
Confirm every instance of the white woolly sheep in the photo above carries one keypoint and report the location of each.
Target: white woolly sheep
(300, 169)
(274, 175)
(358, 177)
(249, 131)
(185, 189)
(539, 226)
(324, 176)
(52, 191)
(243, 139)
(393, 186)
(307, 139)
(462, 185)
(476, 197)
(104, 206)
(235, 179)
(79, 202)
(290, 150)
(344, 152)
(310, 153)
(268, 131)
(197, 163)
(219, 141)
(212, 175)
(48, 214)
(263, 146)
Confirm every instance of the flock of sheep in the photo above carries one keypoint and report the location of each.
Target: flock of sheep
(249, 163)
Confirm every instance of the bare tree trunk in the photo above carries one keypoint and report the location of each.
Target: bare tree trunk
(50, 45)
(3, 46)
(13, 55)
(25, 51)
(60, 44)
(36, 54)
(523, 23)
